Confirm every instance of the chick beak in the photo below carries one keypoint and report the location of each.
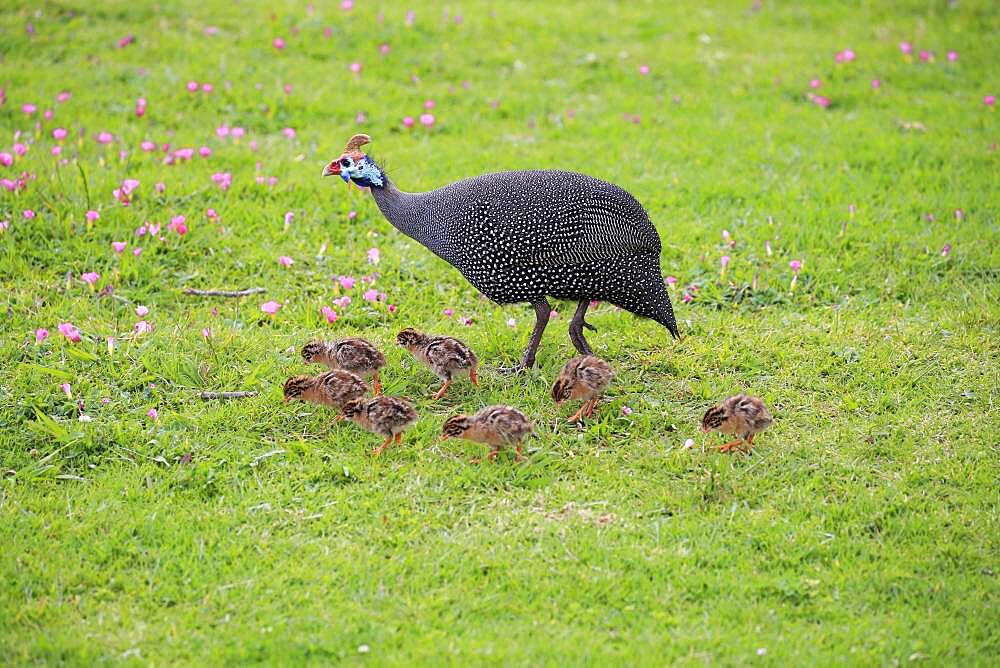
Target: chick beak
(444, 437)
(705, 429)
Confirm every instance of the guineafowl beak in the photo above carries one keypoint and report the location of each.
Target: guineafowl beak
(332, 169)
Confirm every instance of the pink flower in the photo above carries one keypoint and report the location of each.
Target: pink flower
(924, 56)
(341, 302)
(373, 256)
(429, 104)
(671, 281)
(356, 67)
(125, 41)
(905, 47)
(845, 56)
(192, 86)
(289, 132)
(427, 120)
(959, 214)
(57, 150)
(222, 130)
(990, 100)
(821, 101)
(28, 214)
(278, 43)
(626, 410)
(466, 321)
(392, 308)
(137, 251)
(104, 137)
(206, 332)
(285, 261)
(41, 334)
(29, 108)
(952, 56)
(222, 179)
(644, 70)
(329, 314)
(63, 97)
(111, 344)
(67, 390)
(207, 88)
(360, 118)
(90, 278)
(945, 250)
(289, 217)
(141, 310)
(384, 49)
(59, 133)
(70, 332)
(796, 266)
(687, 298)
(347, 5)
(91, 215)
(119, 246)
(408, 121)
(511, 322)
(212, 213)
(211, 31)
(876, 84)
(271, 307)
(410, 16)
(287, 88)
(128, 185)
(142, 327)
(351, 215)
(815, 83)
(147, 146)
(724, 261)
(346, 282)
(370, 295)
(152, 414)
(20, 149)
(237, 132)
(6, 159)
(204, 151)
(449, 312)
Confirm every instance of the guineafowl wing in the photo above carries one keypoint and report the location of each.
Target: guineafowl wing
(549, 218)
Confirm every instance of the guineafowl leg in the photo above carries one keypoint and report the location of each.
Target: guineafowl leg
(542, 311)
(576, 326)
(440, 392)
(385, 444)
(378, 385)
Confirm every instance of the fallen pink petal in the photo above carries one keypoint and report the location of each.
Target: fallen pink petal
(270, 307)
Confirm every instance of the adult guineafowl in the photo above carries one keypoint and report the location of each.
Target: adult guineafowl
(527, 235)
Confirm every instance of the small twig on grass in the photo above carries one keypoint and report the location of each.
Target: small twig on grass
(226, 395)
(224, 293)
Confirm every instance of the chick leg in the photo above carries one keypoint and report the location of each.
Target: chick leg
(490, 456)
(590, 406)
(378, 385)
(472, 376)
(339, 418)
(399, 437)
(578, 416)
(380, 449)
(576, 326)
(732, 445)
(444, 387)
(520, 454)
(542, 311)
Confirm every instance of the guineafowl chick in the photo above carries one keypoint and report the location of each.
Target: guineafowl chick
(356, 355)
(585, 378)
(742, 415)
(444, 355)
(332, 388)
(385, 416)
(497, 426)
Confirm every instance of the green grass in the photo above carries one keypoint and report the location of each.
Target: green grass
(864, 528)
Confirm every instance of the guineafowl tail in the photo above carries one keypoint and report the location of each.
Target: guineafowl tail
(643, 292)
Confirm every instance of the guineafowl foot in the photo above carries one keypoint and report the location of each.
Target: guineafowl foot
(542, 312)
(576, 326)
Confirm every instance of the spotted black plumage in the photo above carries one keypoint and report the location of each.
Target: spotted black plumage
(523, 236)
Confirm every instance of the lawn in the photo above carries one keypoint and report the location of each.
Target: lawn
(142, 524)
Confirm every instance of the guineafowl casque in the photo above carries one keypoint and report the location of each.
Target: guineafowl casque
(524, 236)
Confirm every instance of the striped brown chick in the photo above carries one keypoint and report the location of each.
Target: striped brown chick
(385, 416)
(741, 415)
(497, 426)
(331, 388)
(356, 355)
(446, 356)
(583, 378)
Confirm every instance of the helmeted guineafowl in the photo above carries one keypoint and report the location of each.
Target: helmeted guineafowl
(524, 236)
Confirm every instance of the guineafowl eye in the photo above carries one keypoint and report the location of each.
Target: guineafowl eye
(345, 162)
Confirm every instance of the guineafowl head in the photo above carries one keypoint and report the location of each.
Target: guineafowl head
(455, 426)
(353, 165)
(297, 386)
